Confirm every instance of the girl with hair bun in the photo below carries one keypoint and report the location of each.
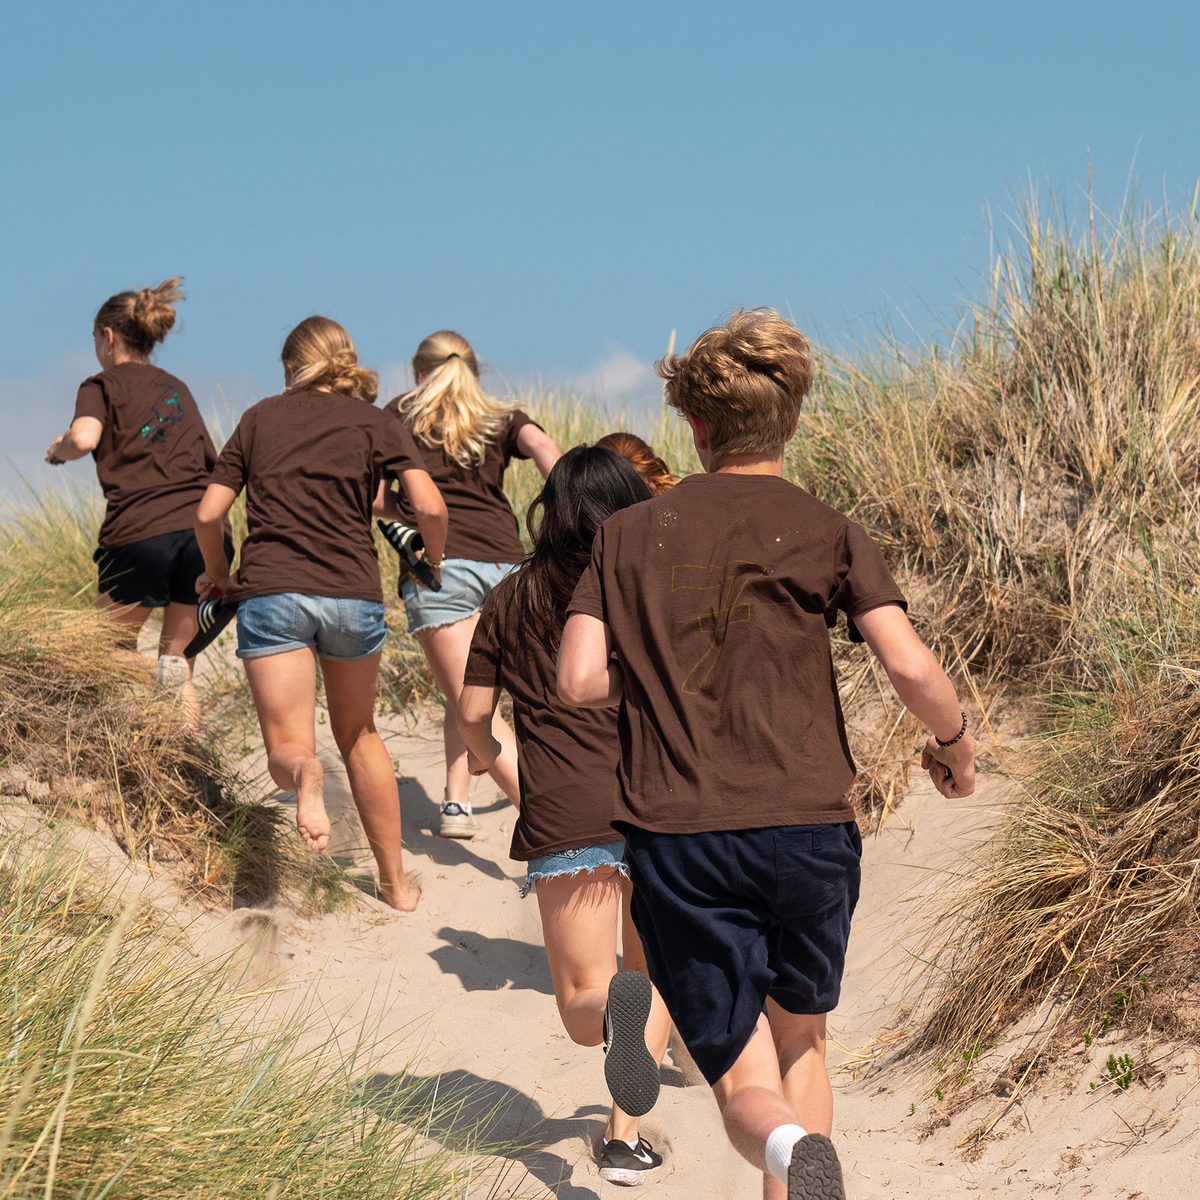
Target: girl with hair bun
(466, 439)
(312, 461)
(153, 458)
(639, 452)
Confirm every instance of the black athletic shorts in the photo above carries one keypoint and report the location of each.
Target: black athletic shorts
(155, 572)
(728, 919)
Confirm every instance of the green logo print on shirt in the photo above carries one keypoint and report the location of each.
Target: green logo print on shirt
(156, 431)
(730, 580)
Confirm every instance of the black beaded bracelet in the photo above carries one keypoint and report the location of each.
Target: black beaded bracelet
(957, 737)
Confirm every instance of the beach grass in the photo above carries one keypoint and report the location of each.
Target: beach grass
(135, 1070)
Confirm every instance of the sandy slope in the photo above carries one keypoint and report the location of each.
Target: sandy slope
(459, 994)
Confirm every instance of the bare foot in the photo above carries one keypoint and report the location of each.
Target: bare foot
(403, 897)
(311, 819)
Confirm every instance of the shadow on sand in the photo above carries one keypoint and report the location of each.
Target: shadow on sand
(418, 813)
(471, 1115)
(487, 964)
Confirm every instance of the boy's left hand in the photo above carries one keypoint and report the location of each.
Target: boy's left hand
(952, 768)
(481, 766)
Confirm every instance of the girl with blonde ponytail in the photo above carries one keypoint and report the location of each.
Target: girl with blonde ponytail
(466, 439)
(153, 458)
(312, 462)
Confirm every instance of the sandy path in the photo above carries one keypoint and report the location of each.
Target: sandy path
(458, 994)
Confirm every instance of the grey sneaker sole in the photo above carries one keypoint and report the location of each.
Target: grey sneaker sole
(815, 1173)
(629, 1068)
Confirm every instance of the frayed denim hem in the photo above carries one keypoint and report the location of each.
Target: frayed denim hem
(574, 862)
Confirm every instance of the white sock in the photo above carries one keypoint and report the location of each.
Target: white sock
(632, 1145)
(780, 1143)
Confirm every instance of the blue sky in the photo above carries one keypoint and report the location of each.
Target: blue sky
(562, 183)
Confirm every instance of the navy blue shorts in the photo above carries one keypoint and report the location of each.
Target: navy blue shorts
(728, 919)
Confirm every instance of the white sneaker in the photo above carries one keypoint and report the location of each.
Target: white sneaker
(457, 821)
(171, 672)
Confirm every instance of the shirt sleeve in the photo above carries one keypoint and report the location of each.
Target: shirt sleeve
(516, 423)
(90, 400)
(230, 468)
(397, 452)
(589, 591)
(485, 658)
(864, 579)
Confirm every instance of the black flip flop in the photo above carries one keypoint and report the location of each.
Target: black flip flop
(213, 616)
(406, 542)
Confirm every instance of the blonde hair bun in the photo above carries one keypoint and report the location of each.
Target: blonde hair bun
(320, 354)
(142, 319)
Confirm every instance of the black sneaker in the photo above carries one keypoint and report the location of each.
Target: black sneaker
(212, 617)
(815, 1173)
(629, 1068)
(621, 1164)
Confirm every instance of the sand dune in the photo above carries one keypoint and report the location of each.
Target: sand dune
(457, 995)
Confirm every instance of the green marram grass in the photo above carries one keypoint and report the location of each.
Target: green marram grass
(133, 1070)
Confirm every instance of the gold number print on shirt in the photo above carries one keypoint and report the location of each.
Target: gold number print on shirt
(729, 582)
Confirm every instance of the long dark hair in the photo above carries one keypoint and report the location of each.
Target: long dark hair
(584, 488)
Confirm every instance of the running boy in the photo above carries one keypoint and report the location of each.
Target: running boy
(717, 598)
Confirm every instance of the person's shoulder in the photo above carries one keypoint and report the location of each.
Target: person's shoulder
(393, 405)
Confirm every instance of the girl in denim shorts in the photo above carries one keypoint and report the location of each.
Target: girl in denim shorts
(466, 439)
(568, 761)
(312, 461)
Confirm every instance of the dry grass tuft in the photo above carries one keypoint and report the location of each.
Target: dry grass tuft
(84, 730)
(1061, 447)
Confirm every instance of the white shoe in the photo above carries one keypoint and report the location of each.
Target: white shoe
(457, 821)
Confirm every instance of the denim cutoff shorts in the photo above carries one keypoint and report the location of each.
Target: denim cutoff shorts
(572, 862)
(466, 584)
(338, 629)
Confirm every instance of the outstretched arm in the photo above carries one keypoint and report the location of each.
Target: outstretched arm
(476, 705)
(82, 438)
(926, 691)
(588, 675)
(537, 444)
(210, 535)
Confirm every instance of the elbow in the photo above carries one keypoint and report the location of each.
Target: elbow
(913, 672)
(571, 690)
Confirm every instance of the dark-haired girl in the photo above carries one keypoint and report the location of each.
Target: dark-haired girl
(153, 458)
(568, 760)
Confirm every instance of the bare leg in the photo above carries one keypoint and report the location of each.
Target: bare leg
(579, 926)
(446, 648)
(178, 628)
(284, 687)
(350, 690)
(754, 1098)
(131, 617)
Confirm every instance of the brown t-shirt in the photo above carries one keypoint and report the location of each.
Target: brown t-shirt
(482, 525)
(311, 463)
(567, 756)
(154, 456)
(720, 595)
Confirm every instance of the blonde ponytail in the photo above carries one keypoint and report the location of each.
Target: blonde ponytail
(320, 354)
(449, 410)
(142, 319)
